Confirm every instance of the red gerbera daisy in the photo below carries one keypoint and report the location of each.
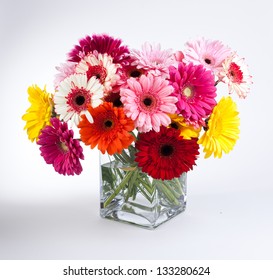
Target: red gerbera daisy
(110, 129)
(102, 44)
(164, 154)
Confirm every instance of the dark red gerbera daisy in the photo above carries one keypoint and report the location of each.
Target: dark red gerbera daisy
(102, 44)
(165, 155)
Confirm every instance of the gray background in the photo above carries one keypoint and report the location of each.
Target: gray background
(44, 215)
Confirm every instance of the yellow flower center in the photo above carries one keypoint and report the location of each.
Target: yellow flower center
(63, 147)
(188, 92)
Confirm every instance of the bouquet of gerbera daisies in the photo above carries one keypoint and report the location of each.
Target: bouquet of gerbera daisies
(147, 109)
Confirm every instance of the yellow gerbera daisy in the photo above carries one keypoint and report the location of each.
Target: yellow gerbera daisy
(223, 129)
(186, 130)
(38, 114)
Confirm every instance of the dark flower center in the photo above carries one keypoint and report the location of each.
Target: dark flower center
(207, 60)
(135, 73)
(147, 101)
(97, 71)
(174, 125)
(80, 99)
(166, 150)
(108, 123)
(235, 73)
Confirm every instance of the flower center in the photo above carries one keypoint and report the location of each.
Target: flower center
(166, 150)
(148, 102)
(63, 147)
(207, 60)
(235, 73)
(108, 123)
(97, 71)
(78, 99)
(135, 73)
(188, 92)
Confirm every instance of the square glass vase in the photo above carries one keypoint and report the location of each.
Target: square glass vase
(130, 196)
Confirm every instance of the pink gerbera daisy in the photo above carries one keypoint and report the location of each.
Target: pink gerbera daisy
(194, 87)
(152, 58)
(210, 54)
(236, 75)
(60, 149)
(148, 102)
(65, 70)
(103, 44)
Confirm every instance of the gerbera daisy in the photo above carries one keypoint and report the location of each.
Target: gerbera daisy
(152, 58)
(187, 130)
(236, 75)
(194, 87)
(165, 155)
(39, 113)
(60, 149)
(147, 102)
(75, 94)
(110, 130)
(65, 70)
(209, 53)
(103, 44)
(222, 130)
(101, 67)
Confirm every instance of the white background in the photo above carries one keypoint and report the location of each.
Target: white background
(44, 215)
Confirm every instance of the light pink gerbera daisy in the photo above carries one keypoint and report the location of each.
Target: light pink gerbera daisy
(153, 59)
(74, 95)
(101, 67)
(148, 101)
(194, 87)
(210, 54)
(102, 44)
(65, 70)
(60, 149)
(236, 75)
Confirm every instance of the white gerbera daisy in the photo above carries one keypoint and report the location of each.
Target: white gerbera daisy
(236, 75)
(101, 67)
(74, 95)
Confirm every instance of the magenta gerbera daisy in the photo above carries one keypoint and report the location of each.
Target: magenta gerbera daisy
(60, 149)
(236, 75)
(148, 102)
(209, 53)
(153, 59)
(102, 44)
(194, 87)
(165, 154)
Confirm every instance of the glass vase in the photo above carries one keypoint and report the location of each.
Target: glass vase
(131, 196)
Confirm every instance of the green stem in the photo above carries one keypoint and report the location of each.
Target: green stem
(164, 188)
(126, 157)
(118, 189)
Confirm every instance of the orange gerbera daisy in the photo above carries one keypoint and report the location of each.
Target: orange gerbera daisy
(110, 129)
